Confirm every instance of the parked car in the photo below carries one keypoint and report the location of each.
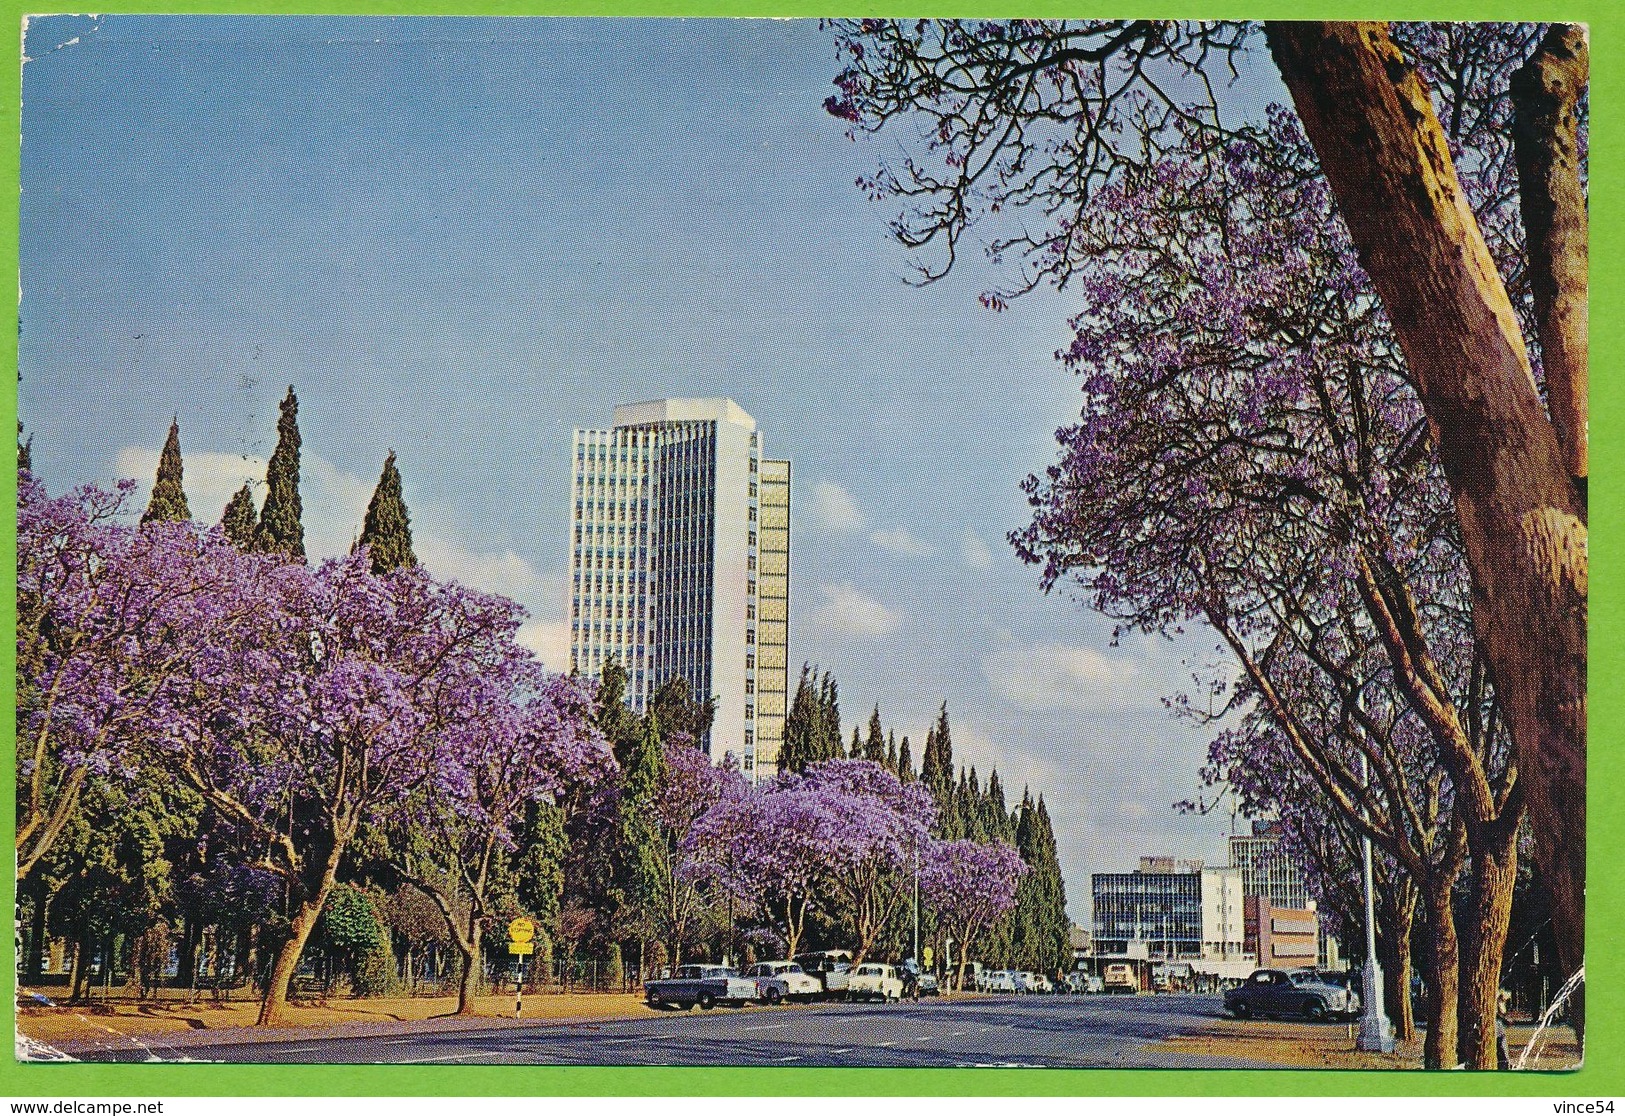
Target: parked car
(998, 980)
(1094, 985)
(704, 985)
(1119, 977)
(1300, 993)
(832, 968)
(784, 980)
(929, 985)
(1036, 983)
(874, 981)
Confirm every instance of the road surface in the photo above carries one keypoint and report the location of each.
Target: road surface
(1052, 1031)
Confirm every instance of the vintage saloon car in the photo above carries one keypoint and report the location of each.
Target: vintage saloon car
(1301, 993)
(784, 980)
(705, 985)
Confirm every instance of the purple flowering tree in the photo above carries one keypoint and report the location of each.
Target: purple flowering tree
(970, 886)
(680, 865)
(503, 735)
(1024, 127)
(879, 823)
(119, 629)
(777, 845)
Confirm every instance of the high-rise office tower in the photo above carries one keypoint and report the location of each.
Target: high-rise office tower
(680, 565)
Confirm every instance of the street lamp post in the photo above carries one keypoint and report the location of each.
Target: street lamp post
(1376, 1033)
(917, 960)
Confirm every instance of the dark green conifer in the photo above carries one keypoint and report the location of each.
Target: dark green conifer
(905, 762)
(240, 518)
(801, 725)
(387, 530)
(168, 503)
(874, 745)
(25, 451)
(829, 708)
(281, 529)
(891, 752)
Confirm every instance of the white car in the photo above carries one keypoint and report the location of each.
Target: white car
(999, 980)
(873, 981)
(784, 980)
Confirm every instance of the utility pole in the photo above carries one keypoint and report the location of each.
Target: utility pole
(916, 844)
(1376, 1033)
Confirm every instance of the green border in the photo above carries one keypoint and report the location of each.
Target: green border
(1604, 1072)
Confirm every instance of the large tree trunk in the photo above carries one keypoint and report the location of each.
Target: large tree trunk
(1441, 961)
(33, 968)
(1398, 918)
(1372, 124)
(1545, 133)
(468, 944)
(273, 1009)
(1494, 870)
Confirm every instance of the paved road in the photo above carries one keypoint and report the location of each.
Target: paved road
(1072, 1031)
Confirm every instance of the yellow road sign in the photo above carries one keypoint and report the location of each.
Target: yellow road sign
(927, 956)
(521, 930)
(521, 949)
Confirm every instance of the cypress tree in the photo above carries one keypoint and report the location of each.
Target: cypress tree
(168, 503)
(856, 751)
(240, 518)
(874, 746)
(891, 752)
(281, 530)
(905, 763)
(829, 708)
(937, 767)
(619, 725)
(801, 726)
(25, 451)
(387, 530)
(1040, 927)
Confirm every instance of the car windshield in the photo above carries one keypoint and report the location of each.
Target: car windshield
(1304, 978)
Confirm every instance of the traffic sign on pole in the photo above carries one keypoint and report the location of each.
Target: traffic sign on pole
(521, 949)
(521, 930)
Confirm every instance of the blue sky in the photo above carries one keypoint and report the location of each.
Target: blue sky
(460, 239)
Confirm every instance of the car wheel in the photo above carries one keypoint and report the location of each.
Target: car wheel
(1239, 1009)
(772, 996)
(707, 1001)
(1314, 1009)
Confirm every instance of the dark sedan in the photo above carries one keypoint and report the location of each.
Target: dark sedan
(1301, 994)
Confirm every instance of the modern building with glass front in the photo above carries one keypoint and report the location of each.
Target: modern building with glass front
(680, 565)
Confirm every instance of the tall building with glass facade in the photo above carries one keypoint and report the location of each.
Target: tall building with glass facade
(680, 565)
(1267, 869)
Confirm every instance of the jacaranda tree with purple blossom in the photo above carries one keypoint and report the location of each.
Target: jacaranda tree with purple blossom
(781, 839)
(882, 824)
(118, 627)
(969, 886)
(679, 867)
(1251, 456)
(1036, 120)
(504, 737)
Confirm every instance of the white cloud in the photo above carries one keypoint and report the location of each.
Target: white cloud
(505, 572)
(848, 610)
(975, 552)
(833, 508)
(551, 642)
(335, 503)
(1055, 676)
(210, 479)
(899, 541)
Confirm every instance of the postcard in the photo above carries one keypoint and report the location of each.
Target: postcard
(802, 544)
